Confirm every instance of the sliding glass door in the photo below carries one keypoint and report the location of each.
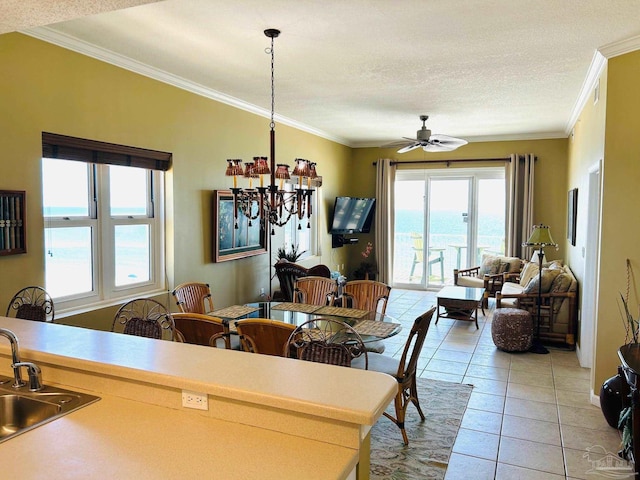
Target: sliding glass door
(445, 219)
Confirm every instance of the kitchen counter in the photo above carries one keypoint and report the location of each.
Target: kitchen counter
(268, 417)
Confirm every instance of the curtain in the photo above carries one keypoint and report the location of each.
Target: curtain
(520, 181)
(385, 178)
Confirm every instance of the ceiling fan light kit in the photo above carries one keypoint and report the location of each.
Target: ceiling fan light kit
(429, 142)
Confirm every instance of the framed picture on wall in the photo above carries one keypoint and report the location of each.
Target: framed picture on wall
(572, 213)
(230, 243)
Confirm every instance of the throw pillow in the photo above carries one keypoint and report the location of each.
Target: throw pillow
(560, 284)
(548, 276)
(514, 264)
(529, 271)
(490, 265)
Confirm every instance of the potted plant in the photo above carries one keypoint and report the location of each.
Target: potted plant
(367, 269)
(290, 255)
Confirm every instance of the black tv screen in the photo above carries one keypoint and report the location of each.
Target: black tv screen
(352, 215)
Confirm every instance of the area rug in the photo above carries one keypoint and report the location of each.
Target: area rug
(430, 442)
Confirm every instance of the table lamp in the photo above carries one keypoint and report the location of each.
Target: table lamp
(540, 238)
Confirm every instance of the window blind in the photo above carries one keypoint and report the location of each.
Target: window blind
(92, 151)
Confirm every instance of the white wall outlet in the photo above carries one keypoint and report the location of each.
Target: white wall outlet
(199, 401)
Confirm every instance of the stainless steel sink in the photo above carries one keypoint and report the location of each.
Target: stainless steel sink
(22, 410)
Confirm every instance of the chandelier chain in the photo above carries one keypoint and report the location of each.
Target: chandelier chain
(273, 86)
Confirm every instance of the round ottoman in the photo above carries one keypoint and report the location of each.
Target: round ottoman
(512, 329)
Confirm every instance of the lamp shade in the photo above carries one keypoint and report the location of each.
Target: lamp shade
(261, 166)
(302, 168)
(312, 170)
(282, 172)
(540, 237)
(234, 167)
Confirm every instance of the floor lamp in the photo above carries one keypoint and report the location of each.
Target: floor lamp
(540, 238)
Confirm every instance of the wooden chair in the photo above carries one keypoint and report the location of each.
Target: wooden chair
(262, 335)
(144, 317)
(31, 303)
(315, 290)
(288, 273)
(367, 295)
(193, 297)
(201, 329)
(403, 369)
(327, 340)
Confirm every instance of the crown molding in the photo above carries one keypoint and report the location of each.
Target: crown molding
(598, 63)
(68, 42)
(621, 47)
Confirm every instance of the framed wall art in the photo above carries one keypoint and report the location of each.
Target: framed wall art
(13, 237)
(230, 243)
(572, 214)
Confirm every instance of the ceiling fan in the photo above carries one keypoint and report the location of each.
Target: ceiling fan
(428, 142)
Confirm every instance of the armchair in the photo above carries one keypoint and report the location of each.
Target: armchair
(289, 272)
(491, 275)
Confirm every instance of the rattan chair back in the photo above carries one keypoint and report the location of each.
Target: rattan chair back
(327, 340)
(32, 303)
(144, 317)
(367, 295)
(263, 335)
(201, 329)
(315, 290)
(193, 297)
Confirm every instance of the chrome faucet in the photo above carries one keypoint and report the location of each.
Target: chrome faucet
(35, 375)
(15, 357)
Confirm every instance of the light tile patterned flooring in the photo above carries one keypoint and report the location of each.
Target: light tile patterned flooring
(529, 416)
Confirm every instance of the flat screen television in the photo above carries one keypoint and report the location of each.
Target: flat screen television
(352, 215)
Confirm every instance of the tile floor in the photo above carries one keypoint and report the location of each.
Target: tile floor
(529, 416)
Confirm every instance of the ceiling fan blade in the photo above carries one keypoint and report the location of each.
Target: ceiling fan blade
(438, 139)
(408, 148)
(438, 147)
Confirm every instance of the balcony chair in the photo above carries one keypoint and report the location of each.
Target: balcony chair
(436, 255)
(206, 330)
(193, 297)
(263, 335)
(327, 340)
(314, 290)
(404, 370)
(144, 317)
(31, 303)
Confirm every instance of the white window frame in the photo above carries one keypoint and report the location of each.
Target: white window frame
(103, 225)
(292, 234)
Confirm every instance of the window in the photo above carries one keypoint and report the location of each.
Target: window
(104, 224)
(303, 233)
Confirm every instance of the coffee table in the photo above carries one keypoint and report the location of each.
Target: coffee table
(459, 303)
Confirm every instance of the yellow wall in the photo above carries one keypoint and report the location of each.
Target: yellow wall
(47, 88)
(621, 197)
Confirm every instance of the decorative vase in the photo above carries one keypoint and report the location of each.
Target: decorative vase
(611, 397)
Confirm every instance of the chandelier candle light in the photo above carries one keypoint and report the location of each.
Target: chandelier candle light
(272, 204)
(540, 238)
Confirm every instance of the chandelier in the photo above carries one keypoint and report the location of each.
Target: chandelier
(271, 204)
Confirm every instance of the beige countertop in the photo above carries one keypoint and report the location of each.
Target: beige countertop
(263, 411)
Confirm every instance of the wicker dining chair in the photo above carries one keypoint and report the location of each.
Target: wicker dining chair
(31, 303)
(315, 290)
(144, 317)
(193, 297)
(327, 340)
(368, 295)
(206, 330)
(404, 370)
(263, 335)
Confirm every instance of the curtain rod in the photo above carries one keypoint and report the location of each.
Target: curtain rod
(453, 160)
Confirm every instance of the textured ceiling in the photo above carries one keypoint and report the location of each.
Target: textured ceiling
(362, 71)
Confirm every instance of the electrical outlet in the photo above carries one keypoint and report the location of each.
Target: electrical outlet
(199, 401)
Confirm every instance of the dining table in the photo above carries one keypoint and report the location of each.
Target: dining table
(369, 327)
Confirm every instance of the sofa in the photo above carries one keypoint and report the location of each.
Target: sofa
(490, 275)
(558, 308)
